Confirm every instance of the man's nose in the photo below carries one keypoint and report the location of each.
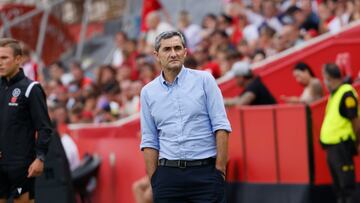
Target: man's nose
(173, 53)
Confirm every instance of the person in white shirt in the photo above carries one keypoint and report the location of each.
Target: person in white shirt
(71, 151)
(156, 26)
(192, 32)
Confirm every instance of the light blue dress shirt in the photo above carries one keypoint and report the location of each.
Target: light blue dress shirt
(180, 119)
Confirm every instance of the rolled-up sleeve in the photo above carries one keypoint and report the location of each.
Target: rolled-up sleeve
(215, 105)
(149, 134)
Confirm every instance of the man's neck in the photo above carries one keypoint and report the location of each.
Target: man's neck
(8, 78)
(336, 86)
(170, 76)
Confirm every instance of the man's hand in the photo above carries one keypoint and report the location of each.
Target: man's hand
(36, 168)
(222, 170)
(222, 137)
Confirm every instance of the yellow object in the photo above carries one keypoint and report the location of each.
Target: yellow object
(335, 127)
(350, 102)
(345, 168)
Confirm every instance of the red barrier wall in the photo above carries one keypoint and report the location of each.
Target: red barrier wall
(236, 166)
(321, 171)
(128, 129)
(259, 138)
(122, 164)
(292, 144)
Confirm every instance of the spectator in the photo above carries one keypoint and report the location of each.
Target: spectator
(269, 11)
(78, 74)
(29, 66)
(131, 98)
(58, 74)
(142, 190)
(61, 119)
(118, 55)
(259, 56)
(192, 32)
(106, 75)
(254, 93)
(208, 24)
(312, 86)
(156, 26)
(224, 23)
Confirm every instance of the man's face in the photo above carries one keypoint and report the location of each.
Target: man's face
(171, 54)
(327, 81)
(9, 64)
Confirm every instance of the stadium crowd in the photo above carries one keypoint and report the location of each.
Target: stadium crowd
(246, 31)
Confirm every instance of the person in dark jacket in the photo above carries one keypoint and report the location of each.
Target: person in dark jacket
(254, 90)
(25, 127)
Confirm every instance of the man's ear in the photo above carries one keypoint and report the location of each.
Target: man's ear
(19, 59)
(185, 52)
(156, 54)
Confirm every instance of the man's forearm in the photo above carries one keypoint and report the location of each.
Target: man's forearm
(151, 160)
(222, 149)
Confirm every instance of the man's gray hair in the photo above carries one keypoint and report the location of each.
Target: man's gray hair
(167, 35)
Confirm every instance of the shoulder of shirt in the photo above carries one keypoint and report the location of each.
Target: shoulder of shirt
(25, 82)
(155, 83)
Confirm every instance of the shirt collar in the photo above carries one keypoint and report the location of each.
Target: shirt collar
(178, 80)
(19, 76)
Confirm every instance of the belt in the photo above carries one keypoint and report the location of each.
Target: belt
(185, 163)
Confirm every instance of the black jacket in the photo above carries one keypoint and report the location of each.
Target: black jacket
(21, 117)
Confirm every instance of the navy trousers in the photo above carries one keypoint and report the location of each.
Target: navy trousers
(341, 164)
(200, 184)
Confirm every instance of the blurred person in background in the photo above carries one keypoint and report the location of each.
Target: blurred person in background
(108, 104)
(340, 132)
(29, 66)
(224, 23)
(156, 26)
(312, 85)
(147, 73)
(106, 75)
(78, 74)
(191, 31)
(259, 55)
(118, 55)
(142, 190)
(254, 93)
(208, 25)
(130, 97)
(266, 41)
(61, 120)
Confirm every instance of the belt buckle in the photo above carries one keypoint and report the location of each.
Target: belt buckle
(182, 164)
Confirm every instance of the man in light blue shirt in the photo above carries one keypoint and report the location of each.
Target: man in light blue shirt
(184, 129)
